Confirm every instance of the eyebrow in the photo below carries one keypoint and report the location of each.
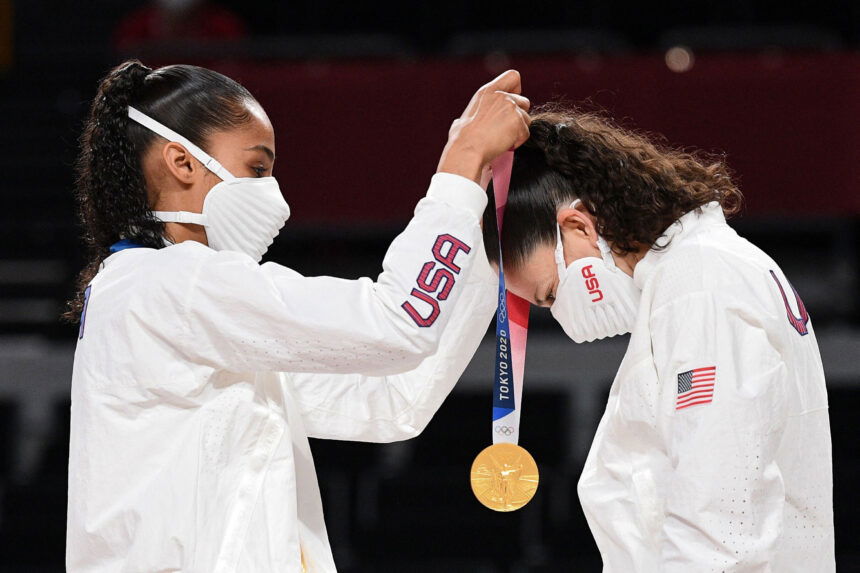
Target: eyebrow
(264, 149)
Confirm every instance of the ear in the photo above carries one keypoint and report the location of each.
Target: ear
(180, 164)
(578, 221)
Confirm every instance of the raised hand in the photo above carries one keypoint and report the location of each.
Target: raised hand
(495, 121)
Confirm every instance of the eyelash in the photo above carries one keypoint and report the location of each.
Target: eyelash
(259, 170)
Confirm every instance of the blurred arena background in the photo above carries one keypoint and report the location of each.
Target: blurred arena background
(361, 96)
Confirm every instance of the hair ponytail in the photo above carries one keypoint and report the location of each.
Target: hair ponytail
(634, 187)
(110, 187)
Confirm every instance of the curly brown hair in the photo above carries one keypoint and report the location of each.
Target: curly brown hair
(634, 187)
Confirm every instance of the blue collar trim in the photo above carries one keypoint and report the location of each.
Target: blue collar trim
(123, 245)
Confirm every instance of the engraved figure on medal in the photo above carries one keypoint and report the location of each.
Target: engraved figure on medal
(504, 477)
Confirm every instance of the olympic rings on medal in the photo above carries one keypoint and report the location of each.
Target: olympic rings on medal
(505, 430)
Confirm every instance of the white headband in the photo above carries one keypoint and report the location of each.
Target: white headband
(207, 160)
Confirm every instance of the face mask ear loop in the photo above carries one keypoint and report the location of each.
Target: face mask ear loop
(559, 253)
(207, 160)
(605, 249)
(606, 252)
(181, 217)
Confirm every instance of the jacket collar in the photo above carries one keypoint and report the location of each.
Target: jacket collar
(678, 232)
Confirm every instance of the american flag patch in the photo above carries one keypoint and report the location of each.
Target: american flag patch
(696, 387)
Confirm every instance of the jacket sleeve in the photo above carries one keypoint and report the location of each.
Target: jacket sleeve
(240, 316)
(399, 406)
(724, 497)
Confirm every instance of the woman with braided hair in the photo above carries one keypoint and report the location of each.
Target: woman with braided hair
(199, 373)
(713, 453)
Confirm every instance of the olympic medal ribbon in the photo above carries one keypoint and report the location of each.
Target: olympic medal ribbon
(512, 323)
(504, 476)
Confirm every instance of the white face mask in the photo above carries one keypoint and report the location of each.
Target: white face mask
(241, 214)
(595, 298)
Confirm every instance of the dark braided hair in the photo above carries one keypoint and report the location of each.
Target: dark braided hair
(113, 199)
(633, 187)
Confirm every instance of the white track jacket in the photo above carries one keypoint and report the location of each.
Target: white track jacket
(199, 375)
(713, 454)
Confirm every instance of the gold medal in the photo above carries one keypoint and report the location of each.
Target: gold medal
(504, 477)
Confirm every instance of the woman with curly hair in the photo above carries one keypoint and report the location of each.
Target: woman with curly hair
(713, 453)
(199, 373)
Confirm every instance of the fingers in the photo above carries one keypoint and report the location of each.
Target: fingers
(520, 116)
(521, 101)
(523, 133)
(524, 114)
(509, 110)
(509, 81)
(496, 120)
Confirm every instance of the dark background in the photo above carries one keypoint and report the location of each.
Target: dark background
(361, 96)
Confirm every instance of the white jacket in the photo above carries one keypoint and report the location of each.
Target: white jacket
(740, 479)
(199, 376)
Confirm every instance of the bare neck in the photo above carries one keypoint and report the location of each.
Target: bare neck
(628, 261)
(180, 232)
